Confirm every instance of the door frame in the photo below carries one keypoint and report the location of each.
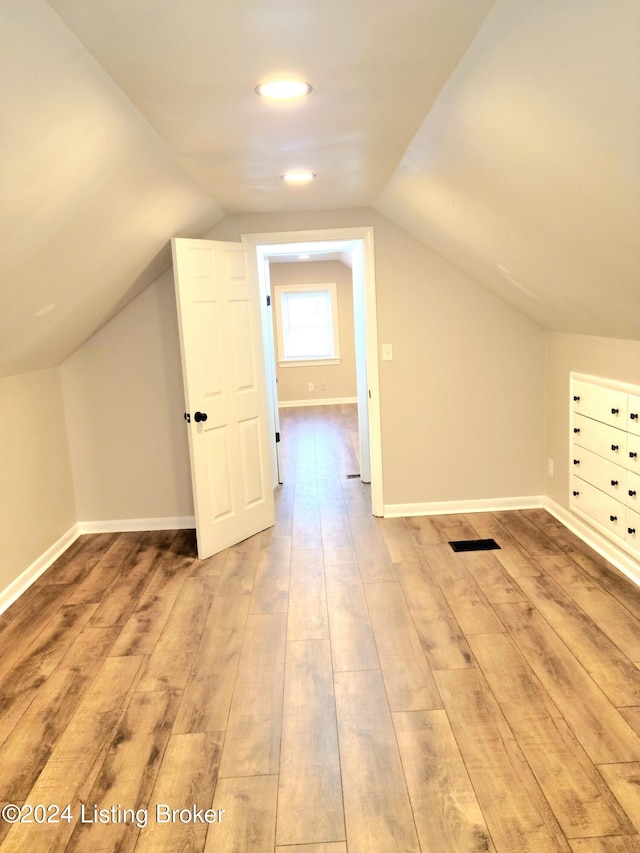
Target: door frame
(360, 240)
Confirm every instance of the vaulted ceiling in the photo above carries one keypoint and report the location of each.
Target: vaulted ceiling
(504, 135)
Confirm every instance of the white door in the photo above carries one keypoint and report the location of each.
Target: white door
(223, 369)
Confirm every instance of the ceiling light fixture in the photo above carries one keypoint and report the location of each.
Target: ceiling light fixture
(298, 177)
(283, 90)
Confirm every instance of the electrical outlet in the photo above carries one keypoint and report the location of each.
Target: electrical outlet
(311, 387)
(550, 467)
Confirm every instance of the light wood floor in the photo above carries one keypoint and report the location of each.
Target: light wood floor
(337, 683)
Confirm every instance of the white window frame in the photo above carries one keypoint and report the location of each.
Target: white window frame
(279, 289)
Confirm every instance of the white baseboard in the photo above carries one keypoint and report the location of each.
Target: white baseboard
(457, 507)
(15, 589)
(601, 544)
(133, 525)
(126, 525)
(327, 401)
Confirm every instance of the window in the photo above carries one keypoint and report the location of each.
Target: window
(307, 324)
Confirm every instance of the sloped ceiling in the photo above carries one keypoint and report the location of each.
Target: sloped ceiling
(89, 193)
(526, 171)
(505, 135)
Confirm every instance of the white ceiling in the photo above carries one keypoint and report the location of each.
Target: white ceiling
(529, 163)
(192, 67)
(505, 135)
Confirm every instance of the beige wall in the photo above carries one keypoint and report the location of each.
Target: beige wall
(36, 491)
(124, 404)
(463, 401)
(605, 357)
(339, 379)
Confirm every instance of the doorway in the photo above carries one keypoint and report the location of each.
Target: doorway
(355, 245)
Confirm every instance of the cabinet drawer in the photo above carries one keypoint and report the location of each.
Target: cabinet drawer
(607, 511)
(632, 528)
(601, 473)
(632, 456)
(601, 404)
(633, 411)
(601, 439)
(632, 491)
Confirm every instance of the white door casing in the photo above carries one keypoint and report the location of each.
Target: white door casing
(219, 321)
(359, 242)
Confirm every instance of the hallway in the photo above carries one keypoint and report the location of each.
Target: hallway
(336, 684)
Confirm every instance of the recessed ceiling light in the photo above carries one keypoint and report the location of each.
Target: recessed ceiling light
(283, 90)
(298, 177)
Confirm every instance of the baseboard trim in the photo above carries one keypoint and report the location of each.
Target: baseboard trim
(328, 401)
(456, 507)
(602, 545)
(15, 589)
(134, 525)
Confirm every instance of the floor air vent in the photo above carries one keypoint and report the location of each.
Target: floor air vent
(352, 476)
(474, 545)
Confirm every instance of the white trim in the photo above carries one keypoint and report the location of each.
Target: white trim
(15, 589)
(134, 525)
(331, 291)
(457, 507)
(316, 362)
(601, 544)
(624, 387)
(334, 239)
(323, 401)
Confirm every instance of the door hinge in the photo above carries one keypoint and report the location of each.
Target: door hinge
(277, 437)
(268, 300)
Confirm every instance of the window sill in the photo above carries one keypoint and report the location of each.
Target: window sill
(317, 362)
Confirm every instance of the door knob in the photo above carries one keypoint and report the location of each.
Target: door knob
(187, 417)
(200, 417)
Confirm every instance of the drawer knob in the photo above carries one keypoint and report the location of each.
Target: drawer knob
(632, 493)
(634, 416)
(576, 461)
(633, 455)
(576, 399)
(631, 530)
(615, 447)
(614, 482)
(615, 411)
(575, 494)
(576, 429)
(613, 518)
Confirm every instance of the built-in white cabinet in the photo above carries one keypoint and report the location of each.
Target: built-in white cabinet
(605, 458)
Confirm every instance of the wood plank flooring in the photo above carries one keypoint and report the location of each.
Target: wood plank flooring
(336, 684)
